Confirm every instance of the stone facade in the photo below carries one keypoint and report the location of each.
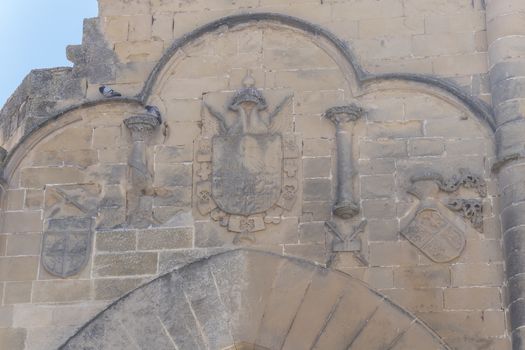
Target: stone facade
(276, 174)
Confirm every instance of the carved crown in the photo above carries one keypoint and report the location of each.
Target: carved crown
(248, 94)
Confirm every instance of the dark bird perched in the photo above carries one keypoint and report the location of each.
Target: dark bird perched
(108, 92)
(155, 111)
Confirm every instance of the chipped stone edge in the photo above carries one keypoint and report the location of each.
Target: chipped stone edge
(298, 261)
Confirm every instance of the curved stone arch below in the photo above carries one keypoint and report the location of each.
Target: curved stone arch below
(245, 299)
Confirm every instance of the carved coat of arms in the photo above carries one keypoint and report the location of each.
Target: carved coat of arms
(434, 229)
(248, 167)
(70, 215)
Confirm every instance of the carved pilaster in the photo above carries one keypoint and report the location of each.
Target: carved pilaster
(140, 187)
(344, 118)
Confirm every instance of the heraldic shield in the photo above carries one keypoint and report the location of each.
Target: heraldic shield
(247, 172)
(436, 236)
(66, 248)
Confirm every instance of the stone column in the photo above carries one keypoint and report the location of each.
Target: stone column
(343, 118)
(140, 189)
(506, 46)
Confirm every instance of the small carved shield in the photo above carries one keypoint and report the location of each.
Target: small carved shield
(438, 238)
(66, 246)
(247, 172)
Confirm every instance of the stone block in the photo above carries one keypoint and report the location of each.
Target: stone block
(173, 154)
(316, 102)
(466, 147)
(379, 186)
(383, 230)
(455, 22)
(34, 199)
(23, 244)
(426, 276)
(173, 196)
(383, 149)
(379, 208)
(173, 175)
(360, 10)
(443, 44)
(116, 241)
(3, 244)
(211, 234)
(68, 139)
(39, 177)
(382, 166)
(113, 288)
(123, 7)
(317, 148)
(115, 28)
(126, 264)
(171, 260)
(186, 110)
(17, 292)
(168, 238)
(316, 211)
(13, 338)
(379, 27)
(464, 275)
(139, 51)
(425, 147)
(139, 27)
(185, 89)
(6, 316)
(162, 27)
(417, 300)
(478, 298)
(22, 268)
(466, 323)
(456, 65)
(392, 254)
(107, 137)
(61, 291)
(15, 199)
(311, 79)
(379, 277)
(314, 127)
(317, 167)
(317, 189)
(395, 130)
(312, 232)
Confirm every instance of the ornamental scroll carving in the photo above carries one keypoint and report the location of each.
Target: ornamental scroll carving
(434, 228)
(247, 168)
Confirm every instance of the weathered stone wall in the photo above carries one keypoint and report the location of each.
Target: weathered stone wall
(102, 197)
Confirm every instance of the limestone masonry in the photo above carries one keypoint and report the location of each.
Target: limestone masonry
(270, 174)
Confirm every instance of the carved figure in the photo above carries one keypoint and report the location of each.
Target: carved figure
(343, 118)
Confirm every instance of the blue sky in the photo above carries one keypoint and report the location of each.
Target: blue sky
(35, 33)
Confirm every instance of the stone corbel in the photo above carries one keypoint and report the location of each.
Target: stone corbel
(140, 187)
(344, 117)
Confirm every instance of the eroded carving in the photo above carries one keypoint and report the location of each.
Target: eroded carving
(248, 167)
(140, 189)
(470, 209)
(343, 117)
(433, 228)
(465, 178)
(348, 242)
(70, 212)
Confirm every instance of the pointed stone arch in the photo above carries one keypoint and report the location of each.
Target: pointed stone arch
(245, 299)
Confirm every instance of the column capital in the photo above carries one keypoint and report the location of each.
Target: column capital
(141, 125)
(344, 114)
